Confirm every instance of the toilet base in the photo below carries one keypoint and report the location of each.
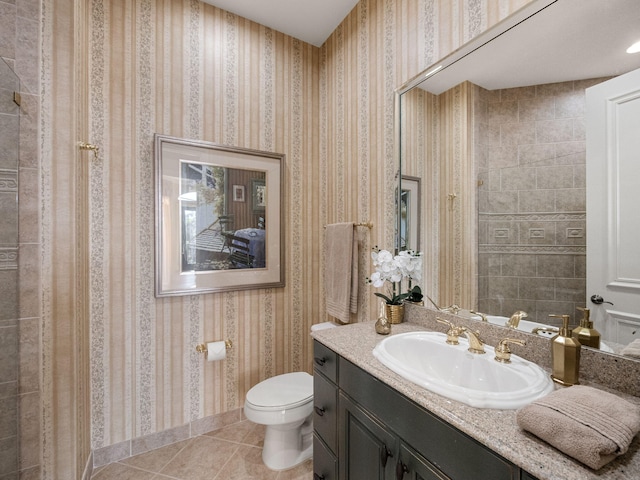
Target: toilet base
(286, 446)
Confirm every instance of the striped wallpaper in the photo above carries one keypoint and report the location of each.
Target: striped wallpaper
(187, 69)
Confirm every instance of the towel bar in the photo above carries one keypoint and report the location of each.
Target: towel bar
(362, 224)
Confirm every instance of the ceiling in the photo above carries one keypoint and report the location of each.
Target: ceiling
(309, 20)
(568, 40)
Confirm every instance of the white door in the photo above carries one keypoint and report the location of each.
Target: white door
(613, 206)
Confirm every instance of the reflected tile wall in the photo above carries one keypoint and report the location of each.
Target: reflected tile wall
(9, 335)
(19, 241)
(532, 214)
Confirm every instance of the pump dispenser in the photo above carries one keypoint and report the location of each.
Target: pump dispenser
(585, 333)
(383, 326)
(565, 355)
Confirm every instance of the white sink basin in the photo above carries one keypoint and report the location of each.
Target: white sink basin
(451, 371)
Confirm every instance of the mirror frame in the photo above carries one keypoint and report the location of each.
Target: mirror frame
(170, 279)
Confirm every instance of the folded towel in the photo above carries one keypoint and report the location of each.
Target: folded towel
(633, 349)
(341, 271)
(590, 425)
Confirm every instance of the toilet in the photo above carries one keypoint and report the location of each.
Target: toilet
(284, 404)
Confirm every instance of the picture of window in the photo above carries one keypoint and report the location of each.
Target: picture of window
(238, 193)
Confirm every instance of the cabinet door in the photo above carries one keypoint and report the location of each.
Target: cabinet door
(413, 466)
(325, 465)
(367, 449)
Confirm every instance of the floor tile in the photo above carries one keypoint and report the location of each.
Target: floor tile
(234, 433)
(246, 464)
(230, 453)
(157, 459)
(201, 459)
(118, 471)
(304, 471)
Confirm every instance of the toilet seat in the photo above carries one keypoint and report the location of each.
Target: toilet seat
(286, 391)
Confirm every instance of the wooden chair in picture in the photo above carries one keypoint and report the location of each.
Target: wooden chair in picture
(240, 253)
(226, 226)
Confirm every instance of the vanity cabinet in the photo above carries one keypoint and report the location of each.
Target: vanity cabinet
(325, 406)
(365, 430)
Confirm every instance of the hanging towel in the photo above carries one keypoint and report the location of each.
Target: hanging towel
(590, 425)
(633, 349)
(341, 270)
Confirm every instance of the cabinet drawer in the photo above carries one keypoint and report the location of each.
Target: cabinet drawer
(325, 410)
(325, 465)
(325, 361)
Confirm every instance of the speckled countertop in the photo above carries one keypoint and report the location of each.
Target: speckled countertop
(497, 429)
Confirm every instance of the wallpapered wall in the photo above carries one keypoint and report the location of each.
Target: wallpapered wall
(187, 69)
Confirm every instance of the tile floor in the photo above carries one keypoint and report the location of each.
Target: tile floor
(231, 453)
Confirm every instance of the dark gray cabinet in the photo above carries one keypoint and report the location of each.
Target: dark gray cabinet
(367, 448)
(365, 430)
(325, 406)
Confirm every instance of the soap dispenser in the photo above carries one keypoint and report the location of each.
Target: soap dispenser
(585, 333)
(565, 355)
(383, 326)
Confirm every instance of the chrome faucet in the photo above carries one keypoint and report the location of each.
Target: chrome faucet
(514, 321)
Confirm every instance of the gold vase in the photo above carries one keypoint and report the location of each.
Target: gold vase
(395, 313)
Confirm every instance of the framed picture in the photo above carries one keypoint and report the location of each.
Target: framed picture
(238, 193)
(208, 238)
(410, 213)
(258, 195)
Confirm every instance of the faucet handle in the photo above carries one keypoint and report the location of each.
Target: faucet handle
(503, 352)
(453, 333)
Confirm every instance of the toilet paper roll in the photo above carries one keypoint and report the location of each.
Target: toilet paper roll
(216, 351)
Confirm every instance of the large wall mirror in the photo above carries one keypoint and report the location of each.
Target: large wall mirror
(496, 132)
(218, 218)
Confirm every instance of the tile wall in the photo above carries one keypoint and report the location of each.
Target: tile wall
(20, 326)
(530, 148)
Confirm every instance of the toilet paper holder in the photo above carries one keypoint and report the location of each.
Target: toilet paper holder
(202, 347)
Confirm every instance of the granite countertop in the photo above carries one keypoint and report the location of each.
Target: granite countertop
(496, 429)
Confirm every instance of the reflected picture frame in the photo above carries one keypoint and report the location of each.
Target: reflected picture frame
(176, 208)
(410, 213)
(258, 195)
(238, 193)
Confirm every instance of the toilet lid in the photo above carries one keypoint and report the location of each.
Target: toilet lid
(288, 390)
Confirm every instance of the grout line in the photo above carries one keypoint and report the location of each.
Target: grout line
(221, 469)
(188, 442)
